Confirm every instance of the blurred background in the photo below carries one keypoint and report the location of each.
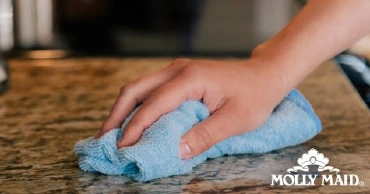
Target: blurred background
(52, 29)
(141, 27)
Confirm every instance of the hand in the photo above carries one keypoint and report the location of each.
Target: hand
(240, 96)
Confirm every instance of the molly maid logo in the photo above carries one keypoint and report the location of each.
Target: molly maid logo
(311, 164)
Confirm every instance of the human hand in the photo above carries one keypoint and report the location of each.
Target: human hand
(240, 96)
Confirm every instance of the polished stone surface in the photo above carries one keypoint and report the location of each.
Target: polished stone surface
(54, 103)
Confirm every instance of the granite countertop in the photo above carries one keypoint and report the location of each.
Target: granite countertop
(54, 103)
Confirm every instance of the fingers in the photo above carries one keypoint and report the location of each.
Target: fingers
(133, 94)
(220, 125)
(162, 101)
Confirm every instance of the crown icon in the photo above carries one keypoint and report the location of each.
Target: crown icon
(313, 157)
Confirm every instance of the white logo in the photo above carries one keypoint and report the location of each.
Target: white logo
(313, 157)
(313, 160)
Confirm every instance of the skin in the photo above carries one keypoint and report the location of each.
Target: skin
(241, 94)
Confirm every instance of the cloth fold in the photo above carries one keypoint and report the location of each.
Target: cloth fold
(156, 155)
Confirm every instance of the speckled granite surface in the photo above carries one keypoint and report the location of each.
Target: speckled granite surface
(54, 103)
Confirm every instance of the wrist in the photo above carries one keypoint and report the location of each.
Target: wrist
(270, 53)
(270, 79)
(281, 64)
(281, 70)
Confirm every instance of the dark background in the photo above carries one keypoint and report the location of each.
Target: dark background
(144, 27)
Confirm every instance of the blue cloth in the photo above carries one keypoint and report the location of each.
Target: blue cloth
(156, 155)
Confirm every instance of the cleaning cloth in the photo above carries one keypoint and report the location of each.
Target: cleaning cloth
(156, 155)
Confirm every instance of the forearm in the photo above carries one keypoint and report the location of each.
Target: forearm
(321, 30)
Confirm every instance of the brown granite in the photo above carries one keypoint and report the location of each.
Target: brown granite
(54, 103)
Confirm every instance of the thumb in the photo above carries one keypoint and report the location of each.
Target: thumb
(219, 126)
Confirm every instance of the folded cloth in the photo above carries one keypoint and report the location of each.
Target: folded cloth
(156, 155)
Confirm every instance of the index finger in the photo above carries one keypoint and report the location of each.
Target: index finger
(133, 94)
(162, 101)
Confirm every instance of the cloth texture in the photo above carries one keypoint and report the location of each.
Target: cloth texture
(156, 155)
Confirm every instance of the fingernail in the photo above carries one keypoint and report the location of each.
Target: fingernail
(185, 151)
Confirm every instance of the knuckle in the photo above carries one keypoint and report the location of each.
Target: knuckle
(157, 95)
(138, 123)
(258, 50)
(192, 69)
(128, 88)
(153, 104)
(180, 61)
(206, 137)
(122, 90)
(128, 92)
(152, 98)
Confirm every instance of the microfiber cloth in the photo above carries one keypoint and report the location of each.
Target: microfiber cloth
(156, 155)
